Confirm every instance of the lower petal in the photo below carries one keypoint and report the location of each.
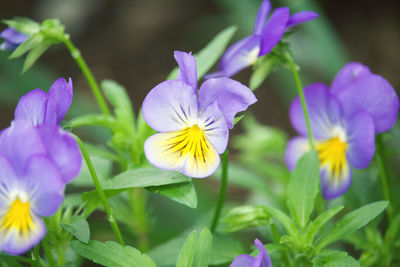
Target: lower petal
(335, 180)
(15, 242)
(187, 151)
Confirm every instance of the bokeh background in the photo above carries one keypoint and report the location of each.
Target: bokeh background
(132, 42)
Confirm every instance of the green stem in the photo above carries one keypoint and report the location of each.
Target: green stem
(35, 256)
(222, 191)
(277, 240)
(138, 204)
(100, 192)
(49, 254)
(18, 258)
(302, 97)
(380, 158)
(76, 55)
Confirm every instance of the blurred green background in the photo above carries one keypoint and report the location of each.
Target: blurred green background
(132, 42)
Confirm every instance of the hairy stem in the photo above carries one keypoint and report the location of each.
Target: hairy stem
(100, 192)
(299, 87)
(222, 191)
(138, 204)
(76, 55)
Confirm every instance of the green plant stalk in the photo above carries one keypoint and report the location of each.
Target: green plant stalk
(138, 204)
(277, 240)
(222, 191)
(76, 55)
(35, 256)
(18, 258)
(99, 189)
(48, 253)
(299, 87)
(380, 158)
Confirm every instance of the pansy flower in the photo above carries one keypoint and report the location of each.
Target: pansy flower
(193, 125)
(44, 111)
(31, 187)
(262, 260)
(344, 120)
(266, 34)
(12, 39)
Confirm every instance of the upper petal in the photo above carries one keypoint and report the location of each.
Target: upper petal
(215, 128)
(239, 56)
(187, 68)
(360, 134)
(301, 17)
(59, 100)
(170, 106)
(261, 17)
(13, 36)
(63, 149)
(274, 30)
(265, 258)
(43, 182)
(231, 97)
(31, 107)
(348, 74)
(295, 149)
(373, 94)
(323, 108)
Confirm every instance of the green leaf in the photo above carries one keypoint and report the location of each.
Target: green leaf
(203, 248)
(23, 25)
(303, 187)
(224, 249)
(237, 119)
(209, 55)
(120, 100)
(79, 228)
(262, 70)
(352, 221)
(316, 225)
(283, 219)
(106, 121)
(112, 254)
(35, 53)
(335, 259)
(29, 44)
(183, 193)
(243, 217)
(186, 256)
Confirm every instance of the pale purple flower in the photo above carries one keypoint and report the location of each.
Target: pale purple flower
(45, 111)
(344, 120)
(266, 35)
(194, 126)
(31, 187)
(12, 39)
(262, 260)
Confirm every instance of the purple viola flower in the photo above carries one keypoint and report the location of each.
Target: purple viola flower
(193, 126)
(262, 259)
(45, 111)
(31, 187)
(12, 39)
(266, 35)
(341, 141)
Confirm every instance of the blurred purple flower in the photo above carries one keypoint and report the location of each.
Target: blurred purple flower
(262, 259)
(267, 33)
(12, 39)
(194, 126)
(344, 120)
(44, 111)
(31, 187)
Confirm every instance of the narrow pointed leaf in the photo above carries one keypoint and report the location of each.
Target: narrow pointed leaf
(183, 193)
(186, 256)
(287, 223)
(203, 248)
(34, 54)
(79, 228)
(29, 44)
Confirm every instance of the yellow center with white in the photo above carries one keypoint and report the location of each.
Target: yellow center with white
(332, 156)
(18, 218)
(186, 150)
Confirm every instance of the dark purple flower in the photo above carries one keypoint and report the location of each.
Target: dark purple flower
(45, 111)
(262, 259)
(267, 33)
(12, 39)
(193, 125)
(31, 187)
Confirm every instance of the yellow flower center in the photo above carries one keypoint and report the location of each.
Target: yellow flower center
(333, 153)
(18, 217)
